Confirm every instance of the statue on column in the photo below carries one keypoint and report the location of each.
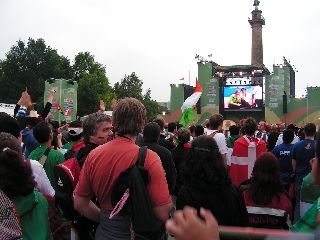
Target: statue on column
(256, 3)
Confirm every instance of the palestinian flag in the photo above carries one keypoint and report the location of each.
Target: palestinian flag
(59, 108)
(244, 155)
(189, 104)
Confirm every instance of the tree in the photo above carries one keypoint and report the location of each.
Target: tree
(93, 85)
(29, 66)
(130, 86)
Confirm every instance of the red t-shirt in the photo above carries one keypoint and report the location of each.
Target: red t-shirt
(104, 165)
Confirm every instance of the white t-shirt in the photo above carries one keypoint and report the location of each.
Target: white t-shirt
(40, 176)
(280, 139)
(221, 141)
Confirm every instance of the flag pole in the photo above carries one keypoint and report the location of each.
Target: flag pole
(189, 77)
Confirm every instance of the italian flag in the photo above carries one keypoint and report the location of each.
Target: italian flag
(189, 104)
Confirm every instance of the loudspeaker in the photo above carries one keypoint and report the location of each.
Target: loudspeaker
(284, 104)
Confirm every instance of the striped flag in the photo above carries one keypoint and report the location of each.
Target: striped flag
(59, 108)
(189, 104)
(182, 79)
(210, 55)
(243, 158)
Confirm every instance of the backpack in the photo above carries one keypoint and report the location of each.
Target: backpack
(66, 176)
(133, 182)
(70, 154)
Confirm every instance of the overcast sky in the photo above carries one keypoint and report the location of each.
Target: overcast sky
(158, 40)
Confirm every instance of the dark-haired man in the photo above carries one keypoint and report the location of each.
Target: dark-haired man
(43, 134)
(283, 153)
(151, 135)
(302, 152)
(162, 139)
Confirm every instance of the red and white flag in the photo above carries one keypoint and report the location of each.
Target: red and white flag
(182, 79)
(68, 112)
(243, 158)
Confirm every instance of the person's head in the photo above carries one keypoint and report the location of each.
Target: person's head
(288, 136)
(97, 128)
(16, 177)
(261, 126)
(160, 122)
(242, 131)
(234, 130)
(32, 122)
(172, 127)
(250, 126)
(268, 128)
(265, 183)
(183, 135)
(310, 130)
(128, 117)
(237, 93)
(151, 132)
(192, 128)
(282, 127)
(274, 128)
(9, 124)
(204, 167)
(216, 122)
(199, 130)
(42, 132)
(75, 130)
(54, 124)
(243, 91)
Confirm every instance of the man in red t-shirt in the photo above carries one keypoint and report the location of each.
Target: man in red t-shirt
(104, 165)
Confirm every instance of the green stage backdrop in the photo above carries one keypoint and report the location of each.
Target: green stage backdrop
(65, 96)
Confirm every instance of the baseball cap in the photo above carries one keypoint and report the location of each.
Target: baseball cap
(75, 128)
(9, 124)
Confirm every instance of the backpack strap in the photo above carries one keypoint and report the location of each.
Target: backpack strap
(142, 155)
(44, 157)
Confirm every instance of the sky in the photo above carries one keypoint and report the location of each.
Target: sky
(158, 40)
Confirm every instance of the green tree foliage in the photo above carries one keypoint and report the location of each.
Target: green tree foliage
(29, 65)
(131, 86)
(93, 84)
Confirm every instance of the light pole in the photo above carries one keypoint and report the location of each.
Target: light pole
(307, 91)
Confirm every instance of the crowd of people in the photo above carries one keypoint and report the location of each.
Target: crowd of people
(199, 177)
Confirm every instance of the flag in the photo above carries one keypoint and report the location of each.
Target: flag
(68, 112)
(59, 108)
(309, 193)
(210, 55)
(243, 158)
(182, 79)
(188, 105)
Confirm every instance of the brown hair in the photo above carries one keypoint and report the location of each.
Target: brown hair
(183, 135)
(15, 175)
(265, 183)
(215, 121)
(128, 116)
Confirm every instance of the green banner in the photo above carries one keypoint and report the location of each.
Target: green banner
(65, 98)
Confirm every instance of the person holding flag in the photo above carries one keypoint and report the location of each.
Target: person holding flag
(189, 104)
(245, 152)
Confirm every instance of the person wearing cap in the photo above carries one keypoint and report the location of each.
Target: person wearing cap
(290, 127)
(75, 135)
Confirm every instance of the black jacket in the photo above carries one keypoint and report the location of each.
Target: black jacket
(167, 163)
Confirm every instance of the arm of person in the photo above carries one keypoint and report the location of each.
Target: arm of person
(87, 208)
(40, 176)
(224, 158)
(48, 105)
(162, 212)
(186, 225)
(294, 165)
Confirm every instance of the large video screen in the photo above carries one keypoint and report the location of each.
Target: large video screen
(244, 98)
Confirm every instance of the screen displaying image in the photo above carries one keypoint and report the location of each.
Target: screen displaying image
(243, 97)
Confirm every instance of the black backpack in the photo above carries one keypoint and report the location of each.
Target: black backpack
(135, 178)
